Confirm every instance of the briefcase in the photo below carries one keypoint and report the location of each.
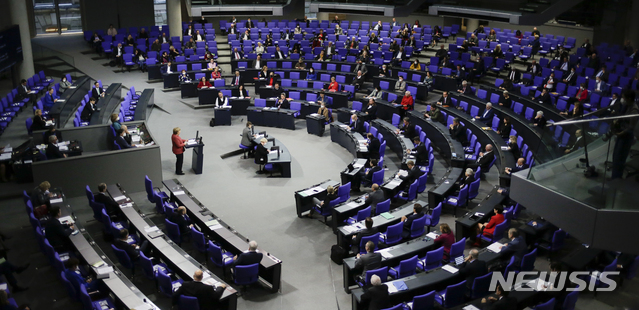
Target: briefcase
(212, 122)
(337, 254)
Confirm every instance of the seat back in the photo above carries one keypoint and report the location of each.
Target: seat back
(407, 267)
(434, 217)
(528, 261)
(558, 240)
(455, 294)
(188, 303)
(500, 229)
(570, 301)
(421, 187)
(382, 273)
(394, 233)
(164, 283)
(417, 227)
(434, 259)
(70, 288)
(245, 275)
(147, 266)
(148, 185)
(473, 191)
(424, 302)
(362, 243)
(343, 193)
(457, 249)
(199, 242)
(480, 286)
(549, 305)
(173, 230)
(97, 210)
(378, 177)
(123, 257)
(363, 214)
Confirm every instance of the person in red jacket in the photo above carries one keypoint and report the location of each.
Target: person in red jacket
(333, 86)
(581, 95)
(446, 239)
(204, 83)
(178, 150)
(489, 228)
(407, 102)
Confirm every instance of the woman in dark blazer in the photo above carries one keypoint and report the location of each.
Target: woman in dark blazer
(38, 121)
(261, 154)
(513, 147)
(505, 127)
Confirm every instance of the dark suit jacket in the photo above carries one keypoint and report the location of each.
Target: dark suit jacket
(505, 303)
(516, 247)
(517, 169)
(208, 296)
(373, 148)
(53, 151)
(261, 154)
(112, 207)
(544, 98)
(364, 233)
(277, 55)
(537, 69)
(413, 174)
(485, 161)
(516, 78)
(377, 297)
(94, 93)
(122, 143)
(247, 258)
(445, 101)
(57, 233)
(420, 153)
(407, 130)
(409, 222)
(182, 222)
(467, 91)
(374, 198)
(283, 105)
(240, 55)
(572, 80)
(459, 134)
(487, 116)
(368, 261)
(87, 112)
(38, 123)
(504, 130)
(372, 111)
(541, 122)
(358, 126)
(249, 24)
(130, 250)
(472, 270)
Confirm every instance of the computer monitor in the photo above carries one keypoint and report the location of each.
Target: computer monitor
(271, 140)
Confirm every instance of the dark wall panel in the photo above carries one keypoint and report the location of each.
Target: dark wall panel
(120, 13)
(616, 230)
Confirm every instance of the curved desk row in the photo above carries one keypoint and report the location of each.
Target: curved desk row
(64, 109)
(422, 89)
(550, 112)
(354, 142)
(247, 66)
(504, 158)
(125, 292)
(271, 117)
(440, 81)
(204, 95)
(172, 254)
(154, 72)
(451, 150)
(218, 230)
(304, 197)
(532, 136)
(107, 105)
(145, 105)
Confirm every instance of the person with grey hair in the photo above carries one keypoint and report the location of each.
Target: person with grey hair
(465, 89)
(358, 80)
(505, 100)
(370, 260)
(539, 120)
(469, 177)
(376, 296)
(252, 256)
(487, 116)
(53, 152)
(472, 267)
(261, 154)
(208, 296)
(516, 247)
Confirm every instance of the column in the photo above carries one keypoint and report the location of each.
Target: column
(632, 30)
(174, 16)
(19, 16)
(471, 24)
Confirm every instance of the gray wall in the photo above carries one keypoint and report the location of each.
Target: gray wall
(127, 167)
(120, 13)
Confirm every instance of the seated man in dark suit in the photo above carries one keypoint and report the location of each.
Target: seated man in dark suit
(248, 258)
(373, 146)
(445, 99)
(121, 141)
(502, 302)
(419, 151)
(58, 233)
(183, 221)
(367, 179)
(368, 261)
(521, 165)
(208, 296)
(487, 116)
(408, 220)
(97, 92)
(465, 89)
(376, 296)
(370, 230)
(357, 124)
(88, 110)
(484, 160)
(53, 152)
(472, 267)
(458, 132)
(133, 250)
(544, 97)
(516, 247)
(413, 174)
(375, 197)
(112, 208)
(406, 128)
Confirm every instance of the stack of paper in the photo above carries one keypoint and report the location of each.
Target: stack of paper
(66, 219)
(495, 247)
(104, 270)
(57, 200)
(470, 307)
(178, 193)
(5, 156)
(350, 229)
(431, 235)
(386, 254)
(149, 229)
(450, 268)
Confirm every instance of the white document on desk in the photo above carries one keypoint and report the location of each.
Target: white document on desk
(5, 156)
(126, 205)
(149, 229)
(104, 270)
(119, 198)
(210, 281)
(402, 173)
(57, 200)
(450, 269)
(135, 139)
(386, 254)
(391, 288)
(350, 229)
(214, 227)
(178, 193)
(432, 235)
(470, 307)
(68, 219)
(495, 247)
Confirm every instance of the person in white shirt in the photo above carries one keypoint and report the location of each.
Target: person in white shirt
(259, 49)
(198, 37)
(221, 101)
(378, 26)
(236, 79)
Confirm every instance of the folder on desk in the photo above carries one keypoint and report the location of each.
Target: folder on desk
(212, 223)
(155, 234)
(495, 247)
(400, 285)
(387, 215)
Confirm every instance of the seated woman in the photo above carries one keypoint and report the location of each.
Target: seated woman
(264, 73)
(415, 65)
(375, 94)
(504, 128)
(204, 83)
(576, 111)
(489, 228)
(331, 194)
(211, 65)
(216, 74)
(38, 121)
(243, 92)
(446, 239)
(322, 57)
(513, 147)
(384, 71)
(74, 276)
(469, 177)
(261, 154)
(311, 75)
